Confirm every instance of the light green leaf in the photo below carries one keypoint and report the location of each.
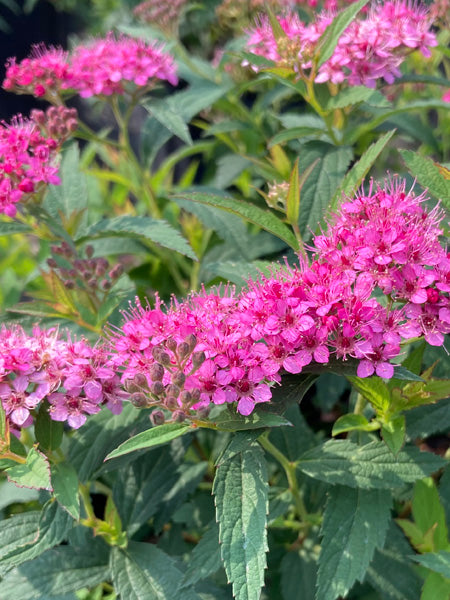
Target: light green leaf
(374, 390)
(352, 422)
(35, 473)
(144, 572)
(293, 133)
(444, 491)
(355, 94)
(11, 227)
(318, 189)
(205, 559)
(359, 170)
(237, 272)
(355, 523)
(169, 118)
(435, 586)
(293, 196)
(370, 467)
(393, 433)
(429, 513)
(144, 228)
(428, 175)
(152, 437)
(240, 490)
(436, 561)
(263, 218)
(57, 571)
(329, 39)
(65, 488)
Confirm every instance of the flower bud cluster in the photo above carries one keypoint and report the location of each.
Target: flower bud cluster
(102, 66)
(165, 15)
(58, 122)
(28, 161)
(72, 376)
(372, 47)
(91, 274)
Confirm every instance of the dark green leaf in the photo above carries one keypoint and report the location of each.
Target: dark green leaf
(444, 492)
(428, 175)
(293, 441)
(11, 227)
(355, 524)
(49, 433)
(152, 437)
(263, 218)
(238, 443)
(144, 228)
(240, 490)
(65, 488)
(298, 576)
(370, 467)
(404, 374)
(393, 433)
(330, 37)
(293, 133)
(355, 94)
(429, 514)
(205, 559)
(18, 531)
(144, 572)
(428, 420)
(436, 561)
(35, 473)
(57, 571)
(257, 420)
(169, 118)
(10, 494)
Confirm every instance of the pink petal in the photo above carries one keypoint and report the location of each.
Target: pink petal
(245, 406)
(365, 369)
(385, 370)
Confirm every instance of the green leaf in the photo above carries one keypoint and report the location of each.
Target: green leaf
(65, 488)
(143, 228)
(71, 196)
(240, 490)
(205, 558)
(11, 494)
(429, 513)
(444, 492)
(293, 441)
(352, 422)
(57, 571)
(318, 189)
(374, 390)
(437, 561)
(293, 196)
(152, 437)
(239, 441)
(391, 572)
(293, 133)
(427, 420)
(237, 272)
(405, 375)
(263, 218)
(11, 227)
(370, 467)
(144, 572)
(227, 421)
(359, 170)
(48, 433)
(355, 94)
(298, 576)
(51, 527)
(35, 473)
(18, 531)
(329, 39)
(393, 433)
(355, 523)
(427, 173)
(169, 118)
(435, 586)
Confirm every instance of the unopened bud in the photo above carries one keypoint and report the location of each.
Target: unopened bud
(92, 282)
(164, 358)
(171, 403)
(38, 116)
(52, 263)
(140, 379)
(171, 344)
(157, 388)
(186, 398)
(157, 417)
(191, 340)
(198, 358)
(173, 390)
(69, 284)
(106, 285)
(156, 372)
(195, 393)
(178, 379)
(89, 251)
(183, 350)
(116, 271)
(203, 412)
(72, 125)
(138, 400)
(179, 416)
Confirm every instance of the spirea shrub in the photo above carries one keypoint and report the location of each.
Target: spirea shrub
(224, 309)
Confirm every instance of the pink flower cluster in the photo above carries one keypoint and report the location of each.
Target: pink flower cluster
(101, 67)
(371, 48)
(384, 240)
(27, 160)
(72, 375)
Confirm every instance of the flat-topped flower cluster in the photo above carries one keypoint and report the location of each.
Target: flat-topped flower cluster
(371, 48)
(379, 275)
(102, 66)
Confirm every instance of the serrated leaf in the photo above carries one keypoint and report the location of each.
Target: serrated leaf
(428, 175)
(298, 576)
(374, 390)
(240, 490)
(12, 227)
(65, 488)
(237, 272)
(293, 133)
(355, 94)
(205, 558)
(355, 524)
(144, 228)
(263, 218)
(144, 572)
(295, 440)
(161, 434)
(427, 420)
(393, 433)
(57, 571)
(329, 39)
(429, 514)
(11, 494)
(318, 189)
(370, 467)
(18, 531)
(257, 420)
(169, 117)
(417, 394)
(401, 372)
(48, 433)
(359, 170)
(238, 443)
(35, 473)
(352, 422)
(436, 561)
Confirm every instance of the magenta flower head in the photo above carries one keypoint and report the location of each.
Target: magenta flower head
(28, 161)
(42, 74)
(108, 66)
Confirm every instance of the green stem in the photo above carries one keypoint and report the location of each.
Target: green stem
(290, 470)
(325, 115)
(360, 405)
(85, 496)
